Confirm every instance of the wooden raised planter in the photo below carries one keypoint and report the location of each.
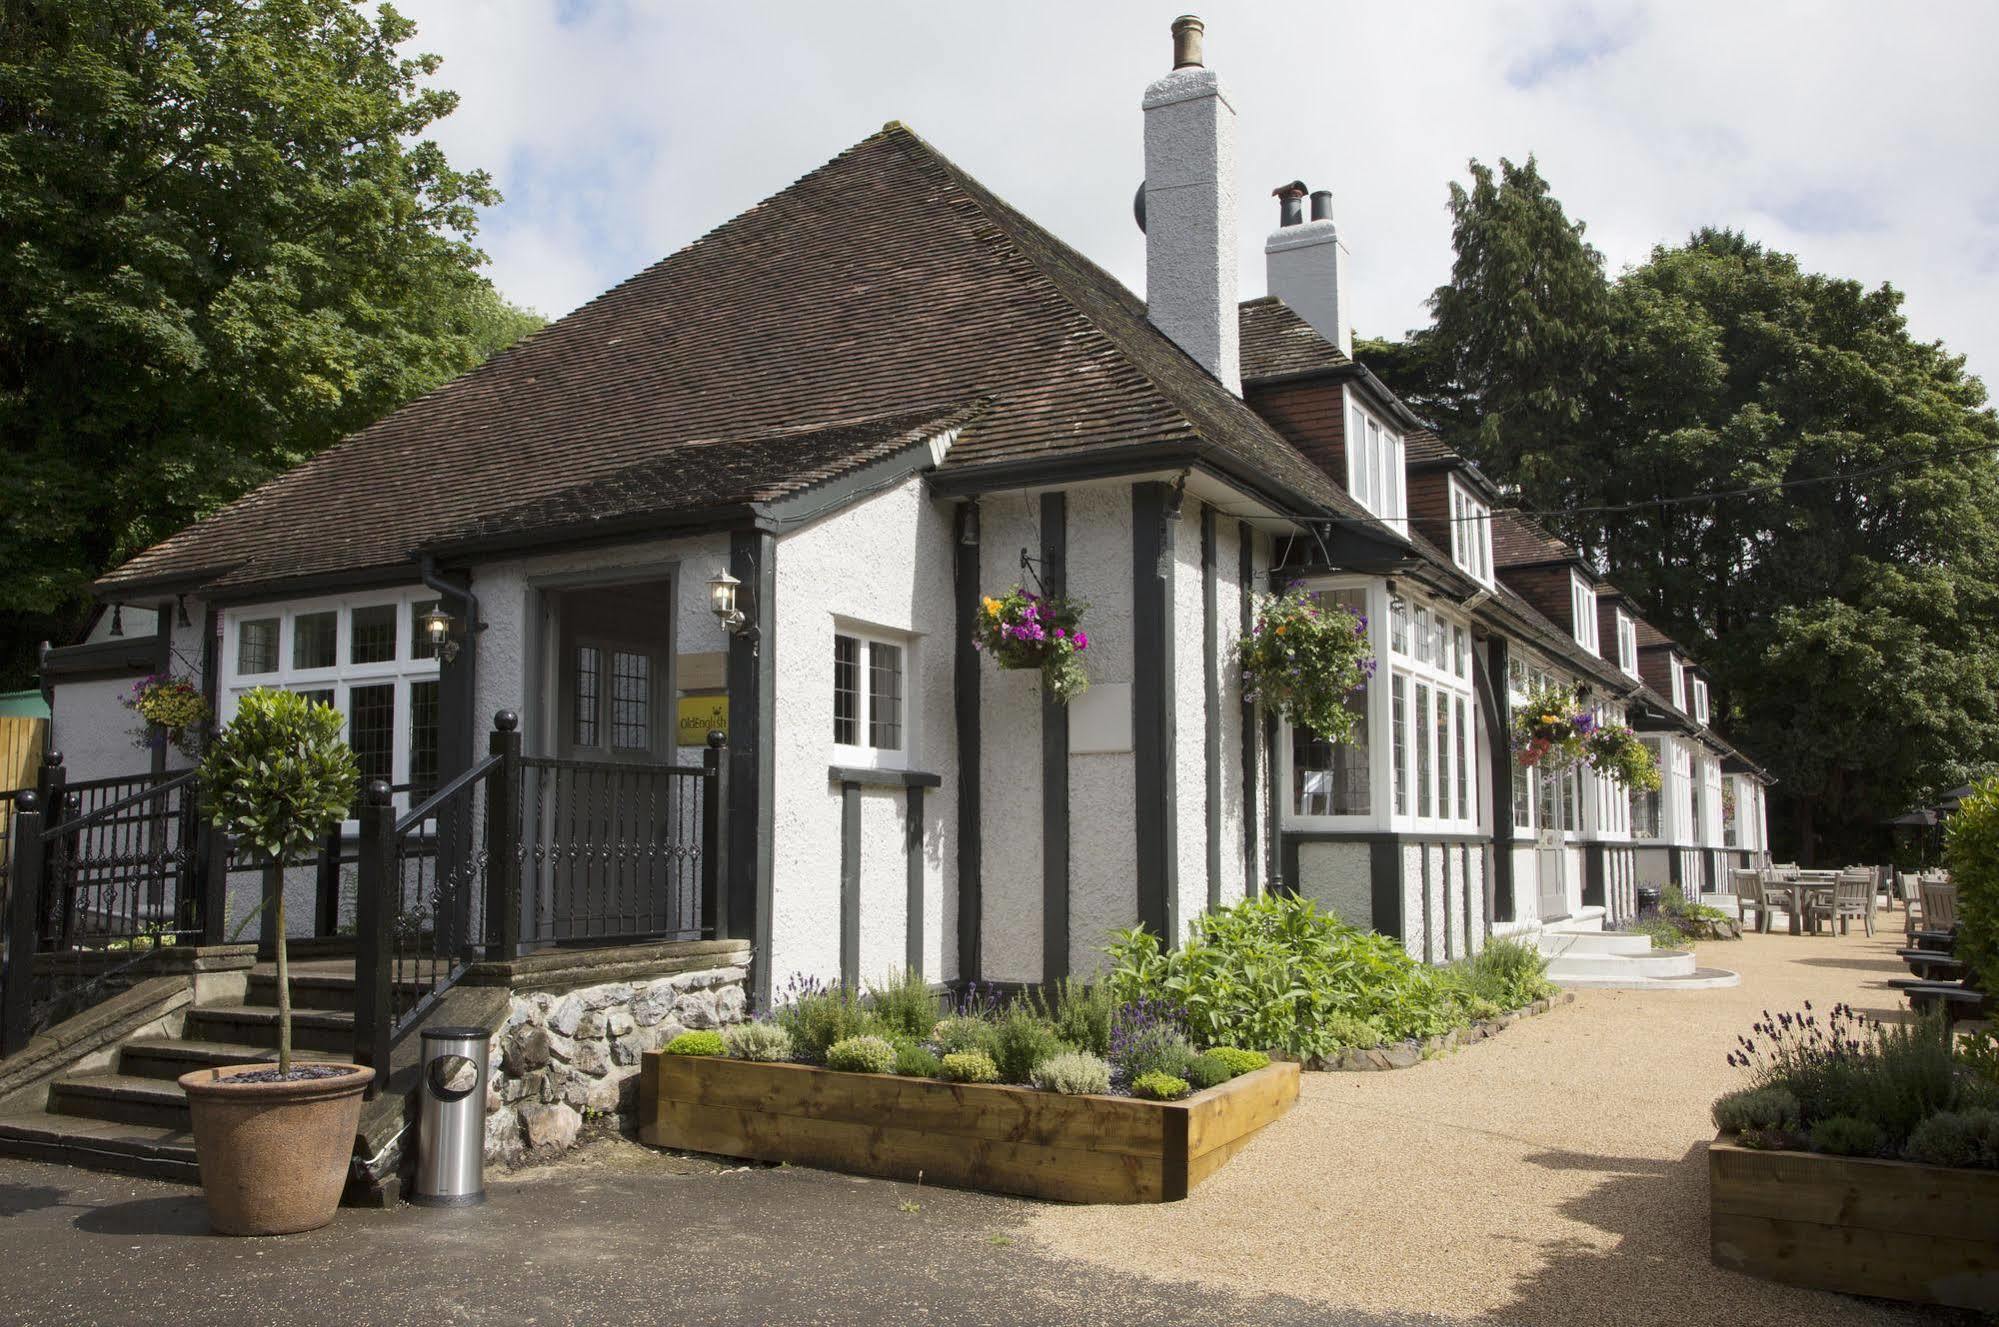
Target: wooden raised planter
(1895, 1229)
(999, 1138)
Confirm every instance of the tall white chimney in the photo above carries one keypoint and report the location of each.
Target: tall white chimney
(1190, 209)
(1307, 266)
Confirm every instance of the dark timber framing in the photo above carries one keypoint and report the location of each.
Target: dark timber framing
(965, 696)
(752, 751)
(850, 885)
(1054, 762)
(1491, 683)
(912, 847)
(1155, 515)
(1211, 682)
(1245, 592)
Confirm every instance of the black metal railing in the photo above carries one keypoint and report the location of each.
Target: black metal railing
(520, 853)
(103, 875)
(610, 852)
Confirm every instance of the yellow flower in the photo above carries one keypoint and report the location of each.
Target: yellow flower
(992, 606)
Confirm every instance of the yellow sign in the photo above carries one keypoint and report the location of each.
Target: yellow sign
(698, 714)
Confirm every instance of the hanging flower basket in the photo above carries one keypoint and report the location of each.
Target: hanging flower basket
(1023, 630)
(174, 711)
(1304, 659)
(1551, 730)
(1616, 753)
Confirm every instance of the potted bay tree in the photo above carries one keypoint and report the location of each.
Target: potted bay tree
(274, 1140)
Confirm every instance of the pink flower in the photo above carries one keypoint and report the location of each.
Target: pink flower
(1082, 640)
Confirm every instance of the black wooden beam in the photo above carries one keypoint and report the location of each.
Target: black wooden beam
(1211, 682)
(1246, 592)
(1054, 762)
(752, 751)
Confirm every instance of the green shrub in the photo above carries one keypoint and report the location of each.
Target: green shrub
(962, 1032)
(1663, 933)
(1756, 1110)
(696, 1043)
(1957, 1138)
(904, 1004)
(757, 1041)
(1239, 1060)
(1021, 1039)
(1507, 973)
(1675, 906)
(1159, 1087)
(1073, 1073)
(1080, 1013)
(817, 1016)
(1971, 851)
(1270, 973)
(1209, 1070)
(1345, 1032)
(968, 1067)
(1145, 1040)
(917, 1062)
(861, 1055)
(1848, 1136)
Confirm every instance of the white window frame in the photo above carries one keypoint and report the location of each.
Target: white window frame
(1582, 610)
(1627, 643)
(1679, 671)
(1700, 702)
(401, 671)
(862, 755)
(1471, 533)
(1377, 715)
(1375, 461)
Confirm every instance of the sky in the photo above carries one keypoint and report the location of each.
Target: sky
(1860, 138)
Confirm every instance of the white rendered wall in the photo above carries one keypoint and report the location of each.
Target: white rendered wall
(1190, 718)
(1339, 877)
(1228, 624)
(90, 726)
(885, 562)
(1010, 878)
(1103, 888)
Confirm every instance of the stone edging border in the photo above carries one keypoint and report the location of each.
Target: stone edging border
(1408, 1054)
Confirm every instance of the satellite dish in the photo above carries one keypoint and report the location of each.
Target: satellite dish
(1138, 207)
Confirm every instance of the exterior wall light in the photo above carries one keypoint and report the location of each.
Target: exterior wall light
(437, 625)
(722, 591)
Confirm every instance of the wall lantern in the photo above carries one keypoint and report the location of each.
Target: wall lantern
(437, 625)
(722, 593)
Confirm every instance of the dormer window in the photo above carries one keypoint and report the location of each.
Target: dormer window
(1471, 534)
(1374, 465)
(1679, 683)
(1627, 643)
(1582, 610)
(1700, 702)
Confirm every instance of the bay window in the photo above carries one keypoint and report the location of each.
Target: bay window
(366, 655)
(1336, 778)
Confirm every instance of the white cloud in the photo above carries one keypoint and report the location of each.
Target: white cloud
(1858, 138)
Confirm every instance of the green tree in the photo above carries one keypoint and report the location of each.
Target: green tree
(1521, 331)
(1793, 486)
(223, 245)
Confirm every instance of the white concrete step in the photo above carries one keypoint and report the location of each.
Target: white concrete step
(1700, 979)
(1555, 943)
(1652, 963)
(1582, 920)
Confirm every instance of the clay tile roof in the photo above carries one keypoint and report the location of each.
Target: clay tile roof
(1425, 445)
(884, 283)
(1277, 342)
(1520, 541)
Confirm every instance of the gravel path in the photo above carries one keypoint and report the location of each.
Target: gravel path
(1554, 1175)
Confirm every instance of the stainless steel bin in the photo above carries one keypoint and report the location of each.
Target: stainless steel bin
(451, 1128)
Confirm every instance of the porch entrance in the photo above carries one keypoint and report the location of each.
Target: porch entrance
(611, 825)
(1551, 866)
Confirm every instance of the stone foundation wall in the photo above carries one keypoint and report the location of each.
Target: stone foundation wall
(566, 1059)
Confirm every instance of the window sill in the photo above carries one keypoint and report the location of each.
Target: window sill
(884, 778)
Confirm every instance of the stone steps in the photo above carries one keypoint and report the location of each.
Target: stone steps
(1700, 979)
(1650, 963)
(1554, 944)
(151, 1151)
(257, 1025)
(123, 1098)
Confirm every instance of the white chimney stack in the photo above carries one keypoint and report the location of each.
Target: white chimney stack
(1190, 209)
(1307, 266)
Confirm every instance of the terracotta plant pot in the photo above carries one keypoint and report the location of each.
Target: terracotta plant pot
(273, 1155)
